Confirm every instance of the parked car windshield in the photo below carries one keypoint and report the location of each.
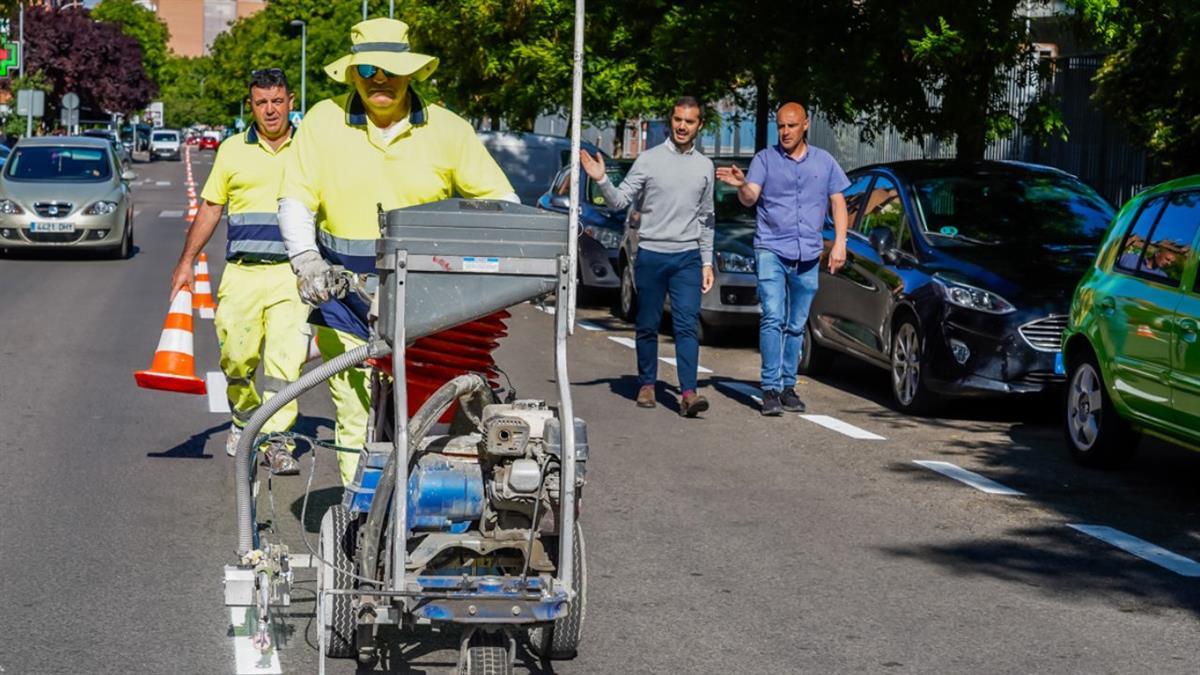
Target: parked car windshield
(616, 170)
(728, 208)
(164, 136)
(1011, 208)
(50, 163)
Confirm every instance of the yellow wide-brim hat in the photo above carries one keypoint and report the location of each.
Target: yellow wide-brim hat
(382, 43)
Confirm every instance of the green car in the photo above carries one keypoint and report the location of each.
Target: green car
(1131, 349)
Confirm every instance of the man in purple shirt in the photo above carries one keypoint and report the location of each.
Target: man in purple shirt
(793, 185)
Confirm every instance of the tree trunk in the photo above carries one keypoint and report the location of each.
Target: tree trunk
(762, 109)
(971, 141)
(619, 139)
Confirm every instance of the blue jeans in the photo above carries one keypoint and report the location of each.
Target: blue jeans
(658, 274)
(785, 296)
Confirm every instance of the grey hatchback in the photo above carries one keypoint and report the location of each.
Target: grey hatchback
(59, 192)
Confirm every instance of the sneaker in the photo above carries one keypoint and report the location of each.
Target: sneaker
(645, 397)
(280, 459)
(692, 404)
(231, 442)
(771, 405)
(790, 401)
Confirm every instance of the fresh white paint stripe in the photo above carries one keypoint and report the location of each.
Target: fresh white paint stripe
(248, 657)
(969, 477)
(175, 340)
(208, 313)
(588, 325)
(627, 342)
(214, 381)
(547, 309)
(162, 183)
(137, 212)
(1143, 549)
(171, 214)
(744, 389)
(844, 428)
(671, 361)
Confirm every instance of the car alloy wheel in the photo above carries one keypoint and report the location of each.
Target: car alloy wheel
(1084, 407)
(906, 364)
(628, 299)
(1095, 432)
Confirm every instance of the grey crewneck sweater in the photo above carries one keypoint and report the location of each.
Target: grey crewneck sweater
(673, 191)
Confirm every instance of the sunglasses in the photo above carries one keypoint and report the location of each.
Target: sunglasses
(366, 72)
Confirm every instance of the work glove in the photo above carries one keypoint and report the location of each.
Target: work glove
(315, 278)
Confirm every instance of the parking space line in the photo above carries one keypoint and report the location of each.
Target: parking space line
(623, 341)
(171, 214)
(670, 360)
(1143, 549)
(748, 390)
(971, 478)
(162, 183)
(844, 428)
(248, 658)
(214, 381)
(588, 325)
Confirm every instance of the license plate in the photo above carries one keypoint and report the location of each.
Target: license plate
(1059, 368)
(52, 227)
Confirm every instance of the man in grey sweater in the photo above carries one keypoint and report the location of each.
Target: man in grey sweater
(672, 186)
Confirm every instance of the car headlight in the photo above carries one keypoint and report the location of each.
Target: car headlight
(728, 261)
(970, 297)
(608, 238)
(9, 207)
(101, 209)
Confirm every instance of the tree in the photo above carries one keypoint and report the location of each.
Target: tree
(1151, 80)
(15, 124)
(93, 59)
(184, 93)
(142, 25)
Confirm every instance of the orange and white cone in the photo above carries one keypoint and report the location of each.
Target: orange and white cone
(203, 299)
(174, 365)
(193, 209)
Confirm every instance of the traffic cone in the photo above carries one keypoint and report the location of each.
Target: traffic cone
(203, 299)
(174, 365)
(193, 209)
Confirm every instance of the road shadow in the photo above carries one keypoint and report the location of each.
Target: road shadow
(193, 447)
(626, 387)
(319, 502)
(63, 254)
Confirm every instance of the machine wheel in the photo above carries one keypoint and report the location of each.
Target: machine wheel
(1095, 433)
(908, 372)
(627, 298)
(487, 654)
(560, 640)
(814, 359)
(337, 614)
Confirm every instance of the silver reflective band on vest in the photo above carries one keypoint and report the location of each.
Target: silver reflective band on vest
(258, 246)
(253, 218)
(363, 248)
(379, 47)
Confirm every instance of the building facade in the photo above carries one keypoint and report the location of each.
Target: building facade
(194, 24)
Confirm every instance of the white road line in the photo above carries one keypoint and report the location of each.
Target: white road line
(214, 381)
(1143, 549)
(624, 341)
(744, 389)
(844, 428)
(969, 477)
(171, 214)
(162, 183)
(547, 309)
(137, 212)
(248, 658)
(670, 360)
(588, 325)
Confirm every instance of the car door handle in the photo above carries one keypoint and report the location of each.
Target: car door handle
(1108, 306)
(1188, 328)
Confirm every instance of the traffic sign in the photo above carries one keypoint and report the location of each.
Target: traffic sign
(294, 117)
(31, 102)
(69, 117)
(10, 57)
(70, 101)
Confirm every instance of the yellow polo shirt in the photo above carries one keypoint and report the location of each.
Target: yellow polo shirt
(246, 175)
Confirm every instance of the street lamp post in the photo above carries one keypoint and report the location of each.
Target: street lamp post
(303, 63)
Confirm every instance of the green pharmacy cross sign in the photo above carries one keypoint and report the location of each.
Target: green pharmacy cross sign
(10, 58)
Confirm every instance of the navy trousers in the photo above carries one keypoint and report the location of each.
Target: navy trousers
(660, 274)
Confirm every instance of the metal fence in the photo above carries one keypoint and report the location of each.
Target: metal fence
(1097, 150)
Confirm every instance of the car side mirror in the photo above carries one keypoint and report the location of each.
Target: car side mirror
(128, 176)
(560, 202)
(883, 240)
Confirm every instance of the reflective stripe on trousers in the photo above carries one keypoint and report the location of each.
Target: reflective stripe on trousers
(260, 318)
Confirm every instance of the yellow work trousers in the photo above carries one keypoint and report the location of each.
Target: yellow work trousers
(351, 393)
(260, 318)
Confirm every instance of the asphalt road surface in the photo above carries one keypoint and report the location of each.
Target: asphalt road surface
(727, 544)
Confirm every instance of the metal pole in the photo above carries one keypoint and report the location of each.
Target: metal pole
(576, 121)
(21, 70)
(391, 9)
(364, 10)
(303, 68)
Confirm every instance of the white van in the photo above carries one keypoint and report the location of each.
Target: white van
(165, 143)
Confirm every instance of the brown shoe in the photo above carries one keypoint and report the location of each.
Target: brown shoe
(692, 404)
(645, 397)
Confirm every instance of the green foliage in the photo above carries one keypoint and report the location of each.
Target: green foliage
(1151, 80)
(186, 100)
(142, 25)
(15, 124)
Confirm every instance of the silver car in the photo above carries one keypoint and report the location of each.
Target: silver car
(66, 192)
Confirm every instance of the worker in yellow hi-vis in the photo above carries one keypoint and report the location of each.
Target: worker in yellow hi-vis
(260, 317)
(379, 143)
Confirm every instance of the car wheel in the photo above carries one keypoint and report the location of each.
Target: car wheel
(627, 299)
(908, 370)
(123, 250)
(1095, 433)
(814, 359)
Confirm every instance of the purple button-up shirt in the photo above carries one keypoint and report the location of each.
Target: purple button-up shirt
(794, 200)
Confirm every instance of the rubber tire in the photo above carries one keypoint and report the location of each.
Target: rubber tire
(814, 359)
(923, 401)
(487, 654)
(626, 308)
(1115, 442)
(560, 640)
(335, 544)
(123, 250)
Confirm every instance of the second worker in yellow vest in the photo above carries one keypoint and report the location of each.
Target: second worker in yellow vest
(378, 144)
(259, 313)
